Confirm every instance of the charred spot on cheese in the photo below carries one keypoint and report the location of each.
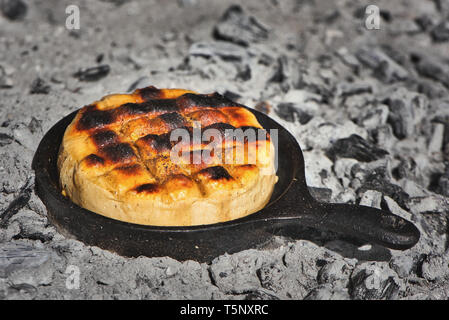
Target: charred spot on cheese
(119, 152)
(93, 118)
(104, 138)
(173, 120)
(149, 93)
(147, 188)
(215, 173)
(214, 100)
(159, 143)
(93, 160)
(150, 106)
(129, 170)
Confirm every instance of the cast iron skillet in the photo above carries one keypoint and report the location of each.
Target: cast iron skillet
(291, 206)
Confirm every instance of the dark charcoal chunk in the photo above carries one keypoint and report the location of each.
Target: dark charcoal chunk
(13, 9)
(5, 139)
(18, 203)
(441, 32)
(225, 50)
(93, 74)
(39, 86)
(288, 112)
(378, 180)
(431, 68)
(244, 74)
(406, 168)
(359, 289)
(399, 118)
(357, 148)
(425, 22)
(384, 67)
(443, 183)
(237, 27)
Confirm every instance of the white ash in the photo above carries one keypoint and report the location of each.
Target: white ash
(316, 70)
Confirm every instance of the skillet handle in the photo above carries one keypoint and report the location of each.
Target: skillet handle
(366, 223)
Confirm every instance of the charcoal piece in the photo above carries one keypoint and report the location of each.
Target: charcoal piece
(442, 186)
(93, 74)
(237, 27)
(405, 169)
(432, 68)
(384, 67)
(441, 32)
(35, 125)
(349, 89)
(287, 72)
(13, 9)
(244, 74)
(399, 118)
(225, 50)
(288, 112)
(378, 180)
(18, 203)
(425, 22)
(5, 139)
(366, 286)
(39, 86)
(355, 147)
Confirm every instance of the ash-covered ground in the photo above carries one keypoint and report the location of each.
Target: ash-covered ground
(369, 107)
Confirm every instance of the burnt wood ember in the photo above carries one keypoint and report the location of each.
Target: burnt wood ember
(378, 180)
(13, 9)
(235, 26)
(39, 86)
(357, 148)
(432, 68)
(441, 32)
(373, 284)
(18, 203)
(290, 113)
(93, 74)
(5, 139)
(382, 65)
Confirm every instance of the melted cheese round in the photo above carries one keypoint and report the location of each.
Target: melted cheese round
(118, 157)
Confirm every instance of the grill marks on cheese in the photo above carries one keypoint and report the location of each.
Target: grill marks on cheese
(126, 140)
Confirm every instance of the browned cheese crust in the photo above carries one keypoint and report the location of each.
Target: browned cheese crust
(115, 160)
